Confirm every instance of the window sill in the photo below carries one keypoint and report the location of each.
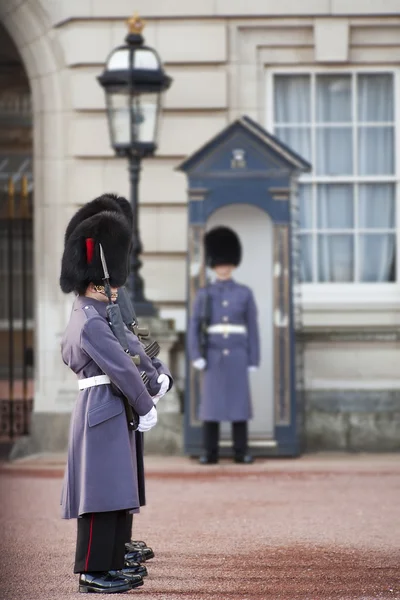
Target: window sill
(357, 305)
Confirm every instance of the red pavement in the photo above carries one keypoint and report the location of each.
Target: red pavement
(320, 527)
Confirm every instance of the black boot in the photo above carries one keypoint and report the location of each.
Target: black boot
(148, 552)
(135, 556)
(103, 583)
(135, 569)
(129, 574)
(133, 547)
(245, 459)
(210, 443)
(132, 564)
(139, 543)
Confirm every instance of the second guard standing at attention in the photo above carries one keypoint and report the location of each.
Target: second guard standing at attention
(157, 375)
(101, 483)
(224, 343)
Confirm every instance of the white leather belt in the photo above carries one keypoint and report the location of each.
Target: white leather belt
(227, 328)
(92, 381)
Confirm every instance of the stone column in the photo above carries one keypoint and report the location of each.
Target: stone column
(167, 436)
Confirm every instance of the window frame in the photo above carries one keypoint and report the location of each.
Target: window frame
(333, 294)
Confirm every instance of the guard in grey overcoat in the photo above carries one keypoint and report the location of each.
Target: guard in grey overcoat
(160, 378)
(224, 343)
(101, 480)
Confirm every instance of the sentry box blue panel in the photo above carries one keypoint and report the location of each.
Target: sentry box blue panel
(244, 164)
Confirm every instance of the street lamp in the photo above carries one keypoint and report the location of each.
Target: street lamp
(133, 81)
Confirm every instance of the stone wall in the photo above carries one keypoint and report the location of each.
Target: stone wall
(352, 420)
(352, 398)
(219, 53)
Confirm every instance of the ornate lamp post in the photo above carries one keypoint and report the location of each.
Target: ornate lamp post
(133, 81)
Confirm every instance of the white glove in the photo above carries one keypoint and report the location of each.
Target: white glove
(164, 380)
(148, 421)
(252, 368)
(200, 364)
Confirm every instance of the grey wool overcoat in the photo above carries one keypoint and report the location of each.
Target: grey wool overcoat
(225, 392)
(104, 470)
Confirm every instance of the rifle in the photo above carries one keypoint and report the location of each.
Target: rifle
(129, 317)
(117, 327)
(204, 324)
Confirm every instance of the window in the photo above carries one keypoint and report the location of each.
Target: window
(344, 124)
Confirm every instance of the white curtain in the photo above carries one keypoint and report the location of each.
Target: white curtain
(376, 157)
(376, 140)
(369, 230)
(306, 225)
(292, 105)
(335, 251)
(306, 255)
(336, 258)
(335, 208)
(376, 250)
(334, 149)
(292, 100)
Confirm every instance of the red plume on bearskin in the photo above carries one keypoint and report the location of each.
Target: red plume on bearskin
(89, 250)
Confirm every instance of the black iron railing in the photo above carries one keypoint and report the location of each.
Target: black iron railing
(16, 308)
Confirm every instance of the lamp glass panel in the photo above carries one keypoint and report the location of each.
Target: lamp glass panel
(144, 117)
(145, 59)
(119, 60)
(118, 109)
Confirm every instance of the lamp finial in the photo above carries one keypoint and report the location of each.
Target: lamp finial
(135, 24)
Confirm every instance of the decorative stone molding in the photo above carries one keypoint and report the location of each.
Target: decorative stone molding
(167, 436)
(331, 37)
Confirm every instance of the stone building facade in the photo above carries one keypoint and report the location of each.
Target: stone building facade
(281, 64)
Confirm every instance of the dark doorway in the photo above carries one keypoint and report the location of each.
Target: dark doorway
(16, 245)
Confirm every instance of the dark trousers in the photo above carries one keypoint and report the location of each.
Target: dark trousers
(211, 438)
(100, 544)
(129, 525)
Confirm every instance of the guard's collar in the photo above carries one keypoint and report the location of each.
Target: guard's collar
(82, 301)
(224, 282)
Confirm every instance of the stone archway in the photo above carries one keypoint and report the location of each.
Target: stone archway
(30, 27)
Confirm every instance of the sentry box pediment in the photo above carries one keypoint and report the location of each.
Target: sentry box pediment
(244, 149)
(245, 178)
(243, 153)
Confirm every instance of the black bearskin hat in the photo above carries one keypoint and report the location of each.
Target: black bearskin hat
(102, 221)
(110, 202)
(222, 247)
